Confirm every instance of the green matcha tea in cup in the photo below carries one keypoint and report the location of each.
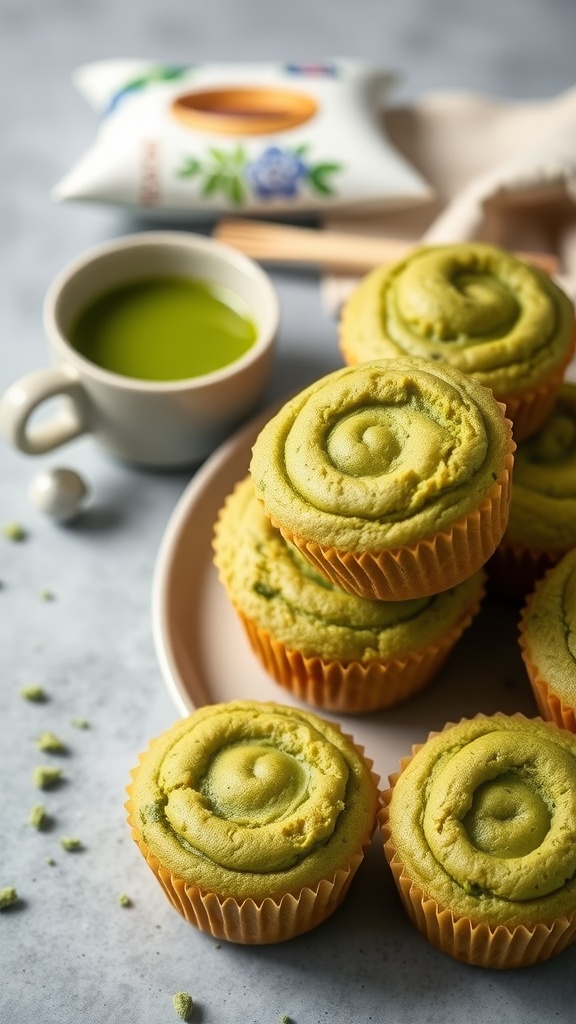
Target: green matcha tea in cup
(161, 343)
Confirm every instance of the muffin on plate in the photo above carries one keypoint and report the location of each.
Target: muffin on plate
(253, 817)
(478, 829)
(332, 649)
(391, 477)
(542, 521)
(548, 642)
(472, 306)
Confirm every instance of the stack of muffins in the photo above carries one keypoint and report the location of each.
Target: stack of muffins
(353, 554)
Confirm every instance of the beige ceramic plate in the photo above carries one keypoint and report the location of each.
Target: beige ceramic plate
(205, 658)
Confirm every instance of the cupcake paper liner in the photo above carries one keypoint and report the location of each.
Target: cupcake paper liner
(353, 687)
(435, 564)
(253, 922)
(530, 409)
(550, 705)
(477, 943)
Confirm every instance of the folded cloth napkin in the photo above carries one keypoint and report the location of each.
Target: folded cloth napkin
(502, 171)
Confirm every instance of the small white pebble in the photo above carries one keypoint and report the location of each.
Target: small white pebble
(58, 493)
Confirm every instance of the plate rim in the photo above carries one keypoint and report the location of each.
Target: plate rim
(177, 521)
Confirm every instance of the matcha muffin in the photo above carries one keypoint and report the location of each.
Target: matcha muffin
(542, 521)
(472, 306)
(548, 642)
(332, 649)
(479, 832)
(253, 817)
(391, 477)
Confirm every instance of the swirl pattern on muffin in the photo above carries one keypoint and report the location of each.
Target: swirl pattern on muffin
(472, 306)
(380, 457)
(482, 819)
(548, 642)
(250, 800)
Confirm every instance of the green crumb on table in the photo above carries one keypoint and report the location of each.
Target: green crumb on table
(45, 776)
(8, 897)
(50, 743)
(124, 900)
(38, 817)
(47, 595)
(285, 1019)
(50, 861)
(14, 531)
(33, 693)
(70, 844)
(80, 723)
(183, 1005)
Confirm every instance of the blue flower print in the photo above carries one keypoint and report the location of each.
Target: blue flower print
(276, 172)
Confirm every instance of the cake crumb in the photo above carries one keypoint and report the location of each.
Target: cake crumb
(183, 1005)
(50, 743)
(38, 818)
(45, 776)
(70, 844)
(8, 897)
(50, 861)
(80, 723)
(14, 532)
(47, 595)
(33, 693)
(124, 900)
(285, 1019)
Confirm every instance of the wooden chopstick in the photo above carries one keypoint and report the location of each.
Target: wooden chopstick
(331, 250)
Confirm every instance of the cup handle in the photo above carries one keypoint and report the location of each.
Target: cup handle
(26, 394)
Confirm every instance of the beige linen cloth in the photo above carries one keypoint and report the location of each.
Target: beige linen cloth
(502, 171)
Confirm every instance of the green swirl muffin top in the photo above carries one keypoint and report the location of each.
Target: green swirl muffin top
(271, 583)
(483, 819)
(250, 799)
(380, 455)
(549, 629)
(472, 306)
(543, 499)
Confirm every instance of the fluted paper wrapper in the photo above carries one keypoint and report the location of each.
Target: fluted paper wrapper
(353, 687)
(477, 943)
(550, 705)
(530, 409)
(435, 564)
(252, 922)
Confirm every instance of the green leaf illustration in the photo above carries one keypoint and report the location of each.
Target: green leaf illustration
(213, 183)
(219, 156)
(190, 168)
(236, 191)
(239, 156)
(317, 177)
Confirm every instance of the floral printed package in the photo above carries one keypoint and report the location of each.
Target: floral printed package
(209, 138)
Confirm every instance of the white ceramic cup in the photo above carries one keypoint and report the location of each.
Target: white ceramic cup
(156, 424)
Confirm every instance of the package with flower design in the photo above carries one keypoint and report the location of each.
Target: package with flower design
(252, 138)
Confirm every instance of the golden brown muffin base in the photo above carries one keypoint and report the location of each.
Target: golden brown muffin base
(550, 705)
(530, 409)
(476, 943)
(354, 687)
(435, 564)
